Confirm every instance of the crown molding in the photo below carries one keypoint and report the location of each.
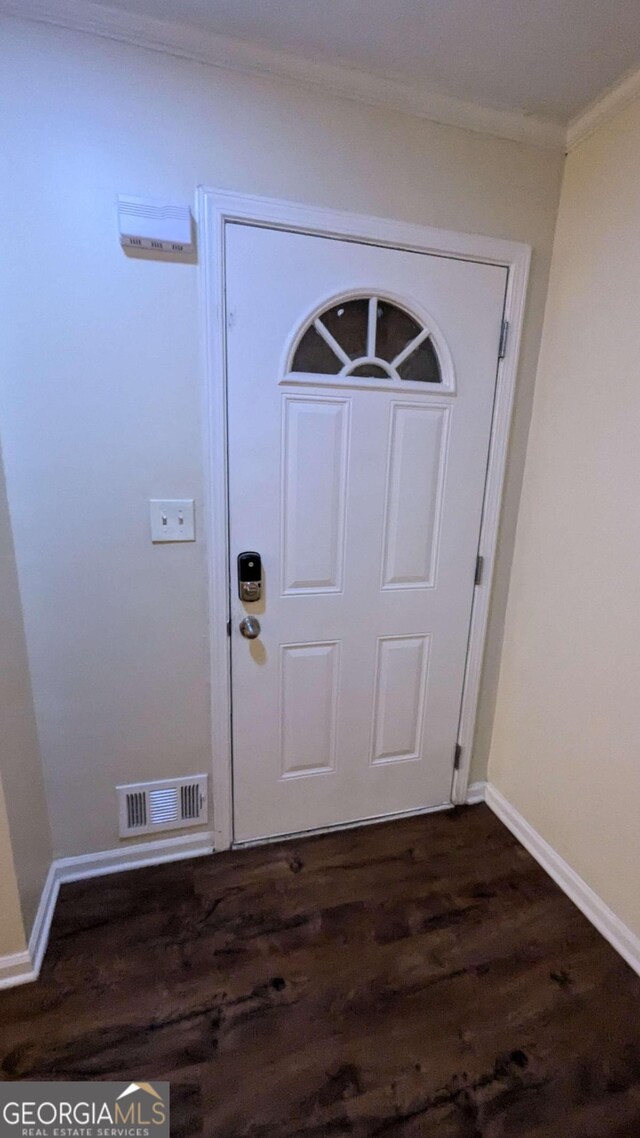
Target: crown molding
(603, 109)
(189, 42)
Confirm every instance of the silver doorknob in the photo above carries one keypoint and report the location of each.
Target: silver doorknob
(250, 627)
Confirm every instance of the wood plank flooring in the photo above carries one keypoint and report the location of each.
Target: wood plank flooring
(418, 978)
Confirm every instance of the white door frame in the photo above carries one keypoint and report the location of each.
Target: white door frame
(215, 209)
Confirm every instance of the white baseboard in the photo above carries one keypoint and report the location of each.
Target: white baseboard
(16, 968)
(475, 793)
(594, 908)
(23, 967)
(134, 856)
(39, 938)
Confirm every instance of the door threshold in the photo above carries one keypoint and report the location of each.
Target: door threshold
(290, 836)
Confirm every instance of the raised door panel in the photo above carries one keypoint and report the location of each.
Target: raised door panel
(309, 676)
(401, 673)
(417, 453)
(315, 437)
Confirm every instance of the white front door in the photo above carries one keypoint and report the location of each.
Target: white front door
(360, 390)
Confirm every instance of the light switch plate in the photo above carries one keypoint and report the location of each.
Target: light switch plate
(172, 519)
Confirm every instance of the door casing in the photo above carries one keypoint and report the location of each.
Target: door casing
(216, 208)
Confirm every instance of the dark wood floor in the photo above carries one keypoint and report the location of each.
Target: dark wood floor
(419, 978)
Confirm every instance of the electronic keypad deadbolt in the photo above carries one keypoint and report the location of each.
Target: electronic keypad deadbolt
(249, 576)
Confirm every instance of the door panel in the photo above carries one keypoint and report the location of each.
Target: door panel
(309, 679)
(314, 456)
(363, 494)
(418, 438)
(399, 698)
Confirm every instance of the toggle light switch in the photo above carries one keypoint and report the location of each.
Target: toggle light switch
(172, 519)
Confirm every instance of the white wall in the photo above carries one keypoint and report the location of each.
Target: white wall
(100, 392)
(566, 745)
(24, 806)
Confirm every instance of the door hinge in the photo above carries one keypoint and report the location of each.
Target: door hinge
(228, 628)
(479, 567)
(457, 755)
(504, 336)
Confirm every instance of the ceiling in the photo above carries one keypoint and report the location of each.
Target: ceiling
(546, 58)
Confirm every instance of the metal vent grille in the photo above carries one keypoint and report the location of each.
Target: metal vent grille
(163, 805)
(190, 800)
(136, 810)
(169, 804)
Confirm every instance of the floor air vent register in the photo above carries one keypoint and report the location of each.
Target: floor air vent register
(170, 804)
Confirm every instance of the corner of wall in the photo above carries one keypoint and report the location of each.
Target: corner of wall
(28, 833)
(14, 958)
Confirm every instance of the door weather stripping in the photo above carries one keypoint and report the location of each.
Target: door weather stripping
(457, 755)
(504, 336)
(479, 567)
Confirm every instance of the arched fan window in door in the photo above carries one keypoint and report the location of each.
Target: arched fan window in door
(368, 338)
